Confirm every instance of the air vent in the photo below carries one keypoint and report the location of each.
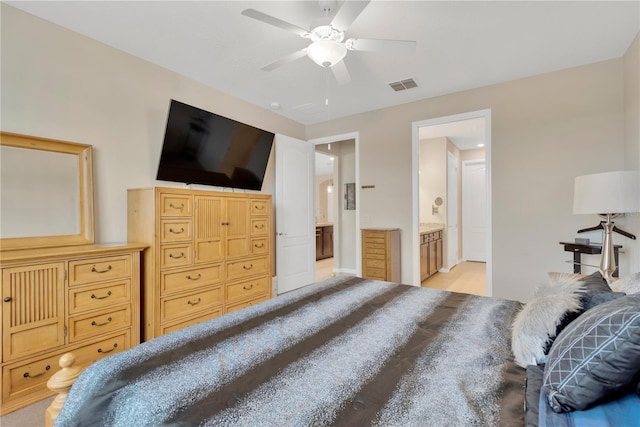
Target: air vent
(403, 84)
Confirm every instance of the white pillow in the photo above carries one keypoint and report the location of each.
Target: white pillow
(629, 284)
(536, 324)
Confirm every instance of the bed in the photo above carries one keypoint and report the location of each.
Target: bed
(345, 351)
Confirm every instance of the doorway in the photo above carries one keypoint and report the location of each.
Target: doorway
(332, 213)
(457, 139)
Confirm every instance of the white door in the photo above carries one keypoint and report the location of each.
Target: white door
(452, 210)
(294, 202)
(474, 211)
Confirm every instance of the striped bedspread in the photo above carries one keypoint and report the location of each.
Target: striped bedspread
(346, 351)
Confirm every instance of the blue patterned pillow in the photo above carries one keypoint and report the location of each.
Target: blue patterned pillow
(596, 355)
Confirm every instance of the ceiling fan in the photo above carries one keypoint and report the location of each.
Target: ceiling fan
(327, 48)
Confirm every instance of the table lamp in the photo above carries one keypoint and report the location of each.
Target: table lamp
(609, 195)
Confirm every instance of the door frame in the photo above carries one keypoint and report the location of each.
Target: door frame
(415, 183)
(465, 173)
(336, 230)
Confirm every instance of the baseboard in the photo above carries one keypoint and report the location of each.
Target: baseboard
(348, 271)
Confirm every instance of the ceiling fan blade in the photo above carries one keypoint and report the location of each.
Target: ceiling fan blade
(381, 45)
(268, 19)
(348, 13)
(282, 61)
(341, 73)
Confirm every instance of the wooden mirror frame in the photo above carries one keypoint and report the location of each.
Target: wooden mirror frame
(85, 182)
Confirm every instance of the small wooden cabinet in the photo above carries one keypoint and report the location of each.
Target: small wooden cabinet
(381, 254)
(324, 241)
(209, 253)
(83, 299)
(431, 257)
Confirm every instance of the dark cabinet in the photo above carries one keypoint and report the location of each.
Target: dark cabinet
(324, 241)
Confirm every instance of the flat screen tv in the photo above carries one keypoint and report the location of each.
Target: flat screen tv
(204, 148)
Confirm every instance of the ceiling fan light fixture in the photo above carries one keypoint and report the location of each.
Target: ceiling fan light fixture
(326, 53)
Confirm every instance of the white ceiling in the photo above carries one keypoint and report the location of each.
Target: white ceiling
(460, 45)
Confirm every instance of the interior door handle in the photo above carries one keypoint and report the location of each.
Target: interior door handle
(281, 234)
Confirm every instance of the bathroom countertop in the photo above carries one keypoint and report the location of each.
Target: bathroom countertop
(430, 227)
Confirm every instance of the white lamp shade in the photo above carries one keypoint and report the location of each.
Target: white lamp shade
(607, 193)
(326, 53)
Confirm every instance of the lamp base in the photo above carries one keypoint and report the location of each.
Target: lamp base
(607, 260)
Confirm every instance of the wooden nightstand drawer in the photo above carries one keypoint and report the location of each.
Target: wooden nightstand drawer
(260, 207)
(175, 230)
(183, 280)
(175, 255)
(185, 305)
(99, 269)
(176, 205)
(99, 296)
(246, 268)
(82, 327)
(375, 263)
(246, 289)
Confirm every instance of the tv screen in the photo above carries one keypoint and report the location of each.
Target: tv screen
(204, 148)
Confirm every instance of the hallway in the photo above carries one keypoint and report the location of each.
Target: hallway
(466, 277)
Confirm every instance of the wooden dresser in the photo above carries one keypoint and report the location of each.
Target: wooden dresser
(381, 254)
(209, 253)
(83, 299)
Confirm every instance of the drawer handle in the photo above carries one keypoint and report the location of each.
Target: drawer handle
(194, 278)
(258, 207)
(93, 296)
(177, 232)
(194, 302)
(100, 350)
(101, 324)
(93, 269)
(177, 207)
(259, 246)
(259, 226)
(247, 268)
(28, 375)
(176, 257)
(225, 223)
(249, 288)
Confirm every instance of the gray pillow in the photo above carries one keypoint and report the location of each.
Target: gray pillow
(596, 291)
(595, 355)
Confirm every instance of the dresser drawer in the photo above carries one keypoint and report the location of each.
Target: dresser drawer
(165, 329)
(175, 230)
(175, 255)
(99, 269)
(23, 379)
(259, 245)
(375, 263)
(246, 289)
(183, 280)
(375, 273)
(238, 306)
(93, 352)
(87, 326)
(259, 226)
(375, 253)
(176, 205)
(246, 268)
(185, 305)
(260, 207)
(99, 296)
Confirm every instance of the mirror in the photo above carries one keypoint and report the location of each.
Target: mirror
(46, 192)
(438, 202)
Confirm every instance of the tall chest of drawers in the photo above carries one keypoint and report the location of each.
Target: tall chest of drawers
(209, 253)
(381, 254)
(83, 299)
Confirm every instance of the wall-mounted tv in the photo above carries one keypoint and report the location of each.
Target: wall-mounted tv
(204, 148)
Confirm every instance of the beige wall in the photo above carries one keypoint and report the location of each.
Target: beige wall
(58, 84)
(546, 130)
(632, 143)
